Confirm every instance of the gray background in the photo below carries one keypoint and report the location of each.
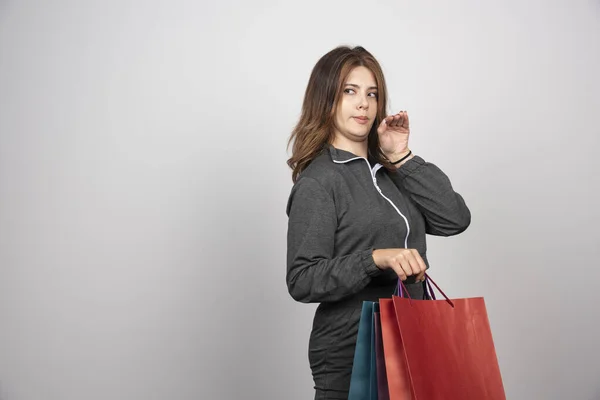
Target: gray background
(143, 186)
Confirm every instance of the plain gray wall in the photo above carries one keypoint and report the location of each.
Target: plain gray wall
(143, 186)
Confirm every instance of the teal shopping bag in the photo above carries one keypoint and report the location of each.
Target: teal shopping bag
(363, 381)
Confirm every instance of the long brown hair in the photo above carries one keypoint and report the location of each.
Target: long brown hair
(325, 86)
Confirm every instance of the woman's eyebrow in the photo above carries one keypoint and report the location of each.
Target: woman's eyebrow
(358, 86)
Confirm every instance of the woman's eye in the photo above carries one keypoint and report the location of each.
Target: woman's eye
(351, 91)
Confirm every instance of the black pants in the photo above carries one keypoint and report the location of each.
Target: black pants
(333, 339)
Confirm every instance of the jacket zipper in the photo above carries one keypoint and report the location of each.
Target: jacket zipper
(373, 172)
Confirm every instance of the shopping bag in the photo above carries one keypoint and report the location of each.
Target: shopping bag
(373, 383)
(396, 368)
(382, 386)
(363, 380)
(447, 346)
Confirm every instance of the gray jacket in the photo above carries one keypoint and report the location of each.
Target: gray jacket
(341, 208)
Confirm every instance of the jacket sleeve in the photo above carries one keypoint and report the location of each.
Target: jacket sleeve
(444, 209)
(313, 274)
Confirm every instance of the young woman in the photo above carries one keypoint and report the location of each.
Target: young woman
(359, 209)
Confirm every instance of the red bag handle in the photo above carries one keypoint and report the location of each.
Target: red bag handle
(432, 294)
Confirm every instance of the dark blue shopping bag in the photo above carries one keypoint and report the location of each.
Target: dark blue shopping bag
(363, 381)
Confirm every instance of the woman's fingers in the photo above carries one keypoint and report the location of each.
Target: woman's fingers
(421, 266)
(404, 262)
(400, 119)
(420, 261)
(409, 263)
(404, 259)
(397, 266)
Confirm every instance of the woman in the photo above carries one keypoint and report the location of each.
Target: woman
(359, 209)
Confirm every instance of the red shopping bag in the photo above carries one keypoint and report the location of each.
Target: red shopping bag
(398, 378)
(447, 347)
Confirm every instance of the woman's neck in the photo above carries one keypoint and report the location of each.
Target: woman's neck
(358, 148)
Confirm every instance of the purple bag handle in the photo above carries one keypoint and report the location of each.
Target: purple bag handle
(400, 288)
(429, 288)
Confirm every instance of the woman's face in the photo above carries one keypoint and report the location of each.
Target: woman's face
(357, 107)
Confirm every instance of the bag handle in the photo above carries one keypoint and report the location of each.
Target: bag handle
(429, 281)
(400, 288)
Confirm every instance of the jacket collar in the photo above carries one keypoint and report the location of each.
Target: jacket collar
(342, 156)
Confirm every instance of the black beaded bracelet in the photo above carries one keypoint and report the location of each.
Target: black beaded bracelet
(403, 158)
